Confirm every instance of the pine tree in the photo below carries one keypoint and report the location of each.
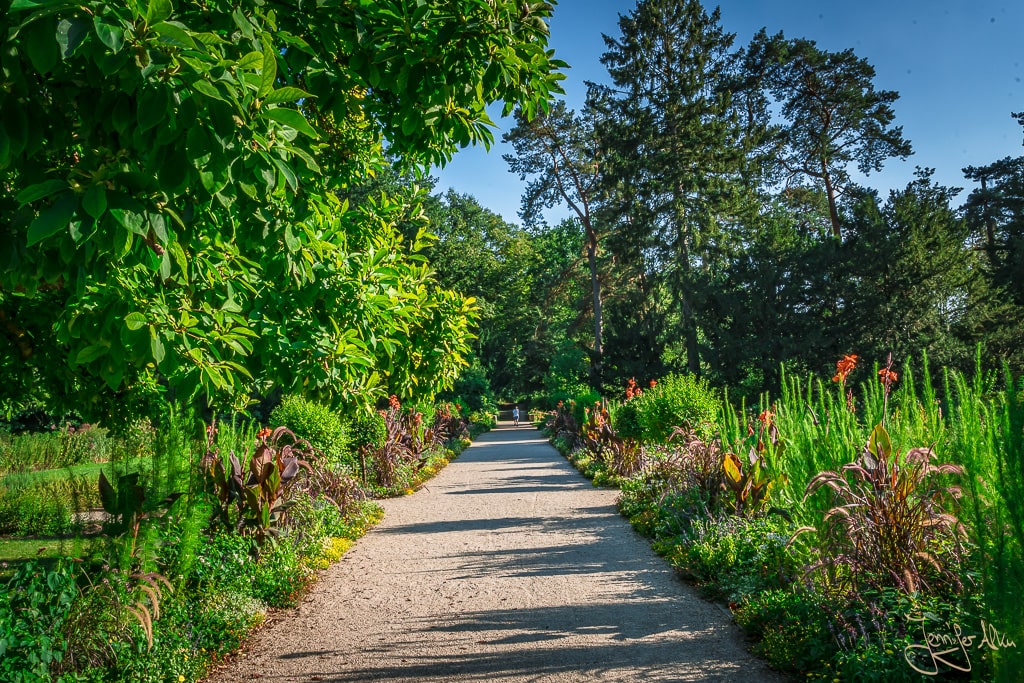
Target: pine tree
(675, 153)
(835, 116)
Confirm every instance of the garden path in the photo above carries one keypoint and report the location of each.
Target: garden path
(508, 566)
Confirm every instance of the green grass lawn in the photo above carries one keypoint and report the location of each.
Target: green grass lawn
(88, 470)
(16, 551)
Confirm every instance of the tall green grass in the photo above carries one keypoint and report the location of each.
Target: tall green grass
(825, 425)
(976, 422)
(986, 435)
(52, 450)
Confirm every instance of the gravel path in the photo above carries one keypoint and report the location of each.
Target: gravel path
(508, 566)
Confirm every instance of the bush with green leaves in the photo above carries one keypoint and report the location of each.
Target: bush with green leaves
(197, 213)
(675, 401)
(317, 424)
(792, 628)
(33, 610)
(473, 387)
(367, 433)
(733, 557)
(625, 418)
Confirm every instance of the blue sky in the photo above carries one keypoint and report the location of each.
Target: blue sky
(958, 67)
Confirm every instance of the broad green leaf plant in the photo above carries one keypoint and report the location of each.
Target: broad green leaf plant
(174, 175)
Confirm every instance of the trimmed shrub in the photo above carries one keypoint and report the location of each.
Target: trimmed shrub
(675, 401)
(626, 419)
(317, 424)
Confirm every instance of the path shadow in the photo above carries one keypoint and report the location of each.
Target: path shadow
(550, 641)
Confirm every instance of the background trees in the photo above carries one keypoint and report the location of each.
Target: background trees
(834, 115)
(559, 151)
(732, 237)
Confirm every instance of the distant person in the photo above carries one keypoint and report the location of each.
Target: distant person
(515, 416)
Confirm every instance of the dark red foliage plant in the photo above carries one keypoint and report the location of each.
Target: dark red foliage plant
(890, 525)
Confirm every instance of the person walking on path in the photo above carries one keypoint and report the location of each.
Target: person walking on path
(515, 415)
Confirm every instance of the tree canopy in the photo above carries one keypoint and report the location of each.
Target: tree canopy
(174, 175)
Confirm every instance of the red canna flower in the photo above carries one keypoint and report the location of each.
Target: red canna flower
(393, 402)
(844, 367)
(632, 390)
(887, 376)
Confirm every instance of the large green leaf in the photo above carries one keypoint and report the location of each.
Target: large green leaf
(39, 40)
(135, 321)
(175, 32)
(94, 201)
(53, 219)
(286, 94)
(879, 443)
(111, 36)
(291, 118)
(153, 107)
(214, 175)
(91, 353)
(268, 74)
(38, 191)
(253, 60)
(128, 213)
(70, 34)
(156, 345)
(157, 11)
(21, 5)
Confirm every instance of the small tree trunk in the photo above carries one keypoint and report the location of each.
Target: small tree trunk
(833, 212)
(597, 360)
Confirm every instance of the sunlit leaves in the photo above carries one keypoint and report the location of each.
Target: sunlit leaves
(171, 165)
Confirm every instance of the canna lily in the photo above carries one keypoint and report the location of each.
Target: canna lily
(844, 367)
(887, 376)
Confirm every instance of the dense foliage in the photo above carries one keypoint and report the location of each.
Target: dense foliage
(196, 540)
(176, 177)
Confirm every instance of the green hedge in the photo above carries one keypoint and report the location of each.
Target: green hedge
(675, 401)
(317, 424)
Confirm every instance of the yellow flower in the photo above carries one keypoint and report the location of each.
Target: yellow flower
(181, 679)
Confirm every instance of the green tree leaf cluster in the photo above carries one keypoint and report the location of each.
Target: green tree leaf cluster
(174, 178)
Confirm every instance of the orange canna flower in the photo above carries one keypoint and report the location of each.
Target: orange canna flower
(887, 376)
(264, 433)
(844, 367)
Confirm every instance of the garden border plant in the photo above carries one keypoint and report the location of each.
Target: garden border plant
(166, 595)
(741, 536)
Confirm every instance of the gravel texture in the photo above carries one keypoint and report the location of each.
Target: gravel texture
(508, 566)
